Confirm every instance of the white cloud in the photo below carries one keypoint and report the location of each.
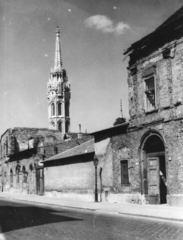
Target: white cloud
(105, 24)
(120, 27)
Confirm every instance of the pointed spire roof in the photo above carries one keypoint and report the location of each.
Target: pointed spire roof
(58, 55)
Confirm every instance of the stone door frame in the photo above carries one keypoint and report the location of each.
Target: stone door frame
(143, 159)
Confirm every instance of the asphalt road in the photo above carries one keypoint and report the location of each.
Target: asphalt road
(20, 221)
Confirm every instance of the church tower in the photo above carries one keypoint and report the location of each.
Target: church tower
(58, 93)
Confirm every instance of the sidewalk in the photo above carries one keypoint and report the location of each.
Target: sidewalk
(153, 211)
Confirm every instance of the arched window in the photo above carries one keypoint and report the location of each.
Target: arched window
(31, 173)
(59, 108)
(18, 172)
(60, 126)
(52, 109)
(24, 173)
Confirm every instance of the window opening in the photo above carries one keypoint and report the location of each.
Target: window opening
(24, 175)
(59, 108)
(60, 126)
(11, 178)
(53, 109)
(150, 93)
(124, 172)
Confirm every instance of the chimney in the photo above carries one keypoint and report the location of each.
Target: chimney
(80, 135)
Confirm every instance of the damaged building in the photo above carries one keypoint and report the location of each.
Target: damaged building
(147, 156)
(24, 149)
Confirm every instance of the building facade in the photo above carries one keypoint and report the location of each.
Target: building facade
(147, 159)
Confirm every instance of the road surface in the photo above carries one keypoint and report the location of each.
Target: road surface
(19, 221)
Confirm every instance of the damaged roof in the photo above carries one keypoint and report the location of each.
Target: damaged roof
(85, 148)
(171, 29)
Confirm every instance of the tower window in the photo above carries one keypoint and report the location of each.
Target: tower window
(124, 172)
(52, 109)
(60, 126)
(59, 108)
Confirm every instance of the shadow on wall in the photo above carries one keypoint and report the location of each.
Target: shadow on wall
(19, 216)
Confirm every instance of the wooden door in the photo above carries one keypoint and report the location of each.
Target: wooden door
(153, 180)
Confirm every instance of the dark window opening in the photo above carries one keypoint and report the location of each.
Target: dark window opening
(18, 174)
(24, 172)
(150, 93)
(11, 178)
(124, 172)
(59, 108)
(53, 109)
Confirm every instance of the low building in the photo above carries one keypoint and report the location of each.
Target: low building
(22, 153)
(71, 173)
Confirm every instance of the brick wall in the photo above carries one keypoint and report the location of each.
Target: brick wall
(70, 175)
(169, 86)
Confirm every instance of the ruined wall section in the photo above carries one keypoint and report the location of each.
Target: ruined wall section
(125, 147)
(177, 74)
(173, 134)
(168, 71)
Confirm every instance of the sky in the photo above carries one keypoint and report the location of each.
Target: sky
(94, 35)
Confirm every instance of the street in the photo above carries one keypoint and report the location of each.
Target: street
(28, 222)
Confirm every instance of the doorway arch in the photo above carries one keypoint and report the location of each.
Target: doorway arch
(153, 167)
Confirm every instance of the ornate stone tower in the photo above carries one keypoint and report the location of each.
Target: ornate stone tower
(58, 93)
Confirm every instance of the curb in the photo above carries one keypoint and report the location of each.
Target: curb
(102, 211)
(152, 217)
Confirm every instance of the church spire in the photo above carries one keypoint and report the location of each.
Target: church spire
(58, 55)
(58, 93)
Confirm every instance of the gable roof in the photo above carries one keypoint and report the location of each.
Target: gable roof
(85, 148)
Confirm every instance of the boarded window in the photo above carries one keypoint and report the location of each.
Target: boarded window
(124, 172)
(150, 93)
